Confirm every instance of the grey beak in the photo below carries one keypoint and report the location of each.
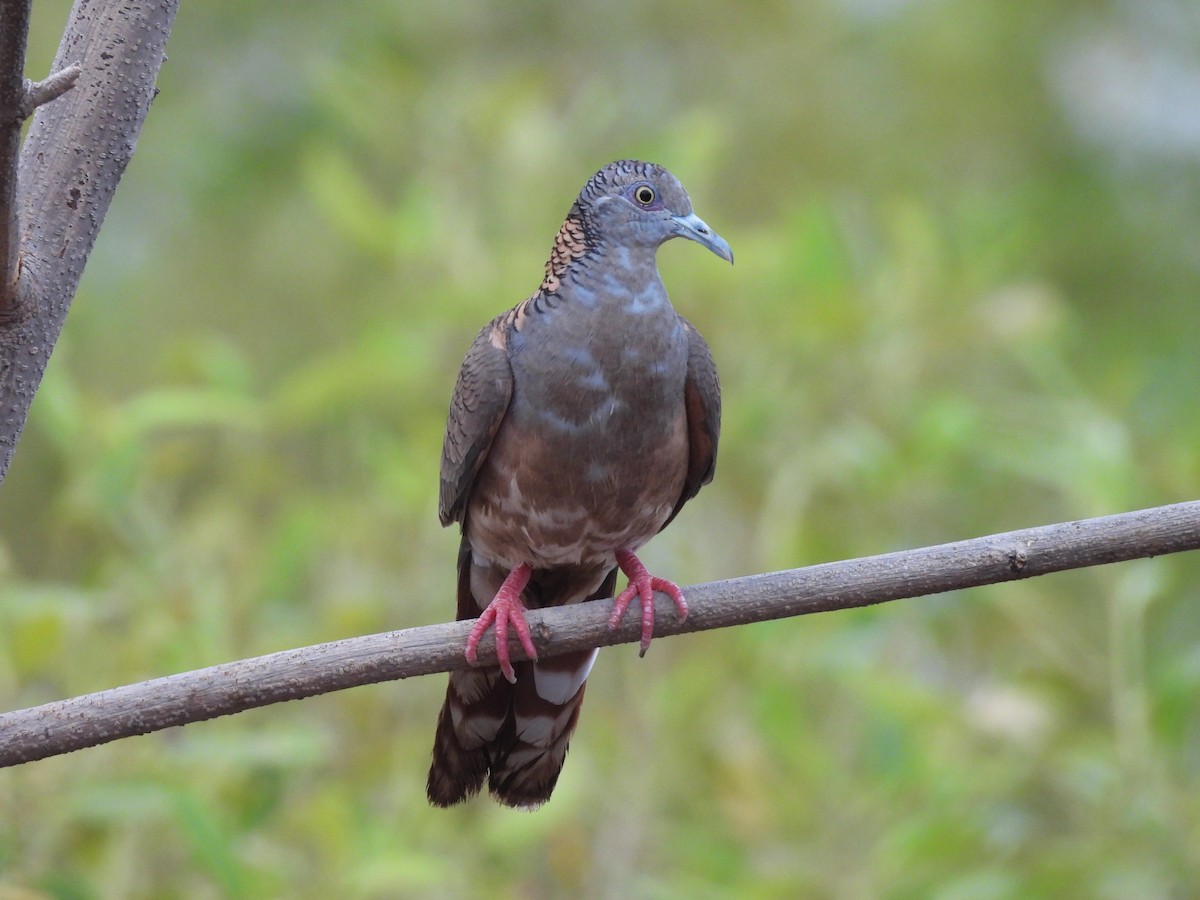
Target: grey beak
(694, 229)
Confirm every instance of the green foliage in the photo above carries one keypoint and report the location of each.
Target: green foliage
(964, 303)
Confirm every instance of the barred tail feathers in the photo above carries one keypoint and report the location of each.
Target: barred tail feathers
(514, 736)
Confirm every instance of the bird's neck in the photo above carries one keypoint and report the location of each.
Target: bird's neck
(584, 268)
(573, 242)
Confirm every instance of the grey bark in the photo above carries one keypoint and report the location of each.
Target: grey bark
(66, 173)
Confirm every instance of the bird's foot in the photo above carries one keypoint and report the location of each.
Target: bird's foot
(643, 585)
(504, 610)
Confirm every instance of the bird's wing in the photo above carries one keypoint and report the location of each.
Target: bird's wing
(702, 400)
(481, 396)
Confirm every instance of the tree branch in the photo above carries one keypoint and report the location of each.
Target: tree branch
(38, 93)
(14, 33)
(93, 719)
(19, 97)
(74, 156)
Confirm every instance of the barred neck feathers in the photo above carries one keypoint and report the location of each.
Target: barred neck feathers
(573, 242)
(572, 245)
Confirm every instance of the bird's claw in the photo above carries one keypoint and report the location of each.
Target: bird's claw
(505, 609)
(643, 585)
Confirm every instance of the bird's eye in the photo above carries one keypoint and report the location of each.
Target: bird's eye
(644, 195)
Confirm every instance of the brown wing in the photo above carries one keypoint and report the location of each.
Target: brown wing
(702, 399)
(480, 399)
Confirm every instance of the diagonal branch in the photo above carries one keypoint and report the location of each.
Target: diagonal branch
(54, 199)
(66, 725)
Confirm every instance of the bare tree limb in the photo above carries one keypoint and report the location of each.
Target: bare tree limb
(93, 719)
(14, 33)
(19, 97)
(38, 93)
(74, 156)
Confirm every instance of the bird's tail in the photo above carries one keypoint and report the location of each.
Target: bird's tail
(513, 735)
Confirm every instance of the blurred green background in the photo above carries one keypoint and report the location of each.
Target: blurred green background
(966, 301)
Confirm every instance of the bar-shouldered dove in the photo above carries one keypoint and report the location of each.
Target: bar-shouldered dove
(583, 419)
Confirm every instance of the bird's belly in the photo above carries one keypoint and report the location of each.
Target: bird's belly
(559, 500)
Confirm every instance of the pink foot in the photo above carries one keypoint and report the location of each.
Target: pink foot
(504, 610)
(643, 585)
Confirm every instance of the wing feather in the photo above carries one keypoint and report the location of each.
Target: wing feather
(702, 400)
(477, 407)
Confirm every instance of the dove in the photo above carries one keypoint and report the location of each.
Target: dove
(582, 420)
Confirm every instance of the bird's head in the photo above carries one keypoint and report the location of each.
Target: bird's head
(640, 204)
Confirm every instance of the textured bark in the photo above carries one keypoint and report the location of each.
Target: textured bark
(86, 721)
(14, 30)
(69, 166)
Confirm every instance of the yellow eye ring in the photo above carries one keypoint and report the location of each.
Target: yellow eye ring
(644, 195)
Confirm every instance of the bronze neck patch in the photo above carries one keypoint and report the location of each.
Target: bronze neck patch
(570, 244)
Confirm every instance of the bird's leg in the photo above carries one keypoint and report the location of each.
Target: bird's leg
(643, 585)
(504, 610)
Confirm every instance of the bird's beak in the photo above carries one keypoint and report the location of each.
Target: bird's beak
(693, 228)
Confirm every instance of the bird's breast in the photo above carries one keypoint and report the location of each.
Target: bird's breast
(592, 453)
